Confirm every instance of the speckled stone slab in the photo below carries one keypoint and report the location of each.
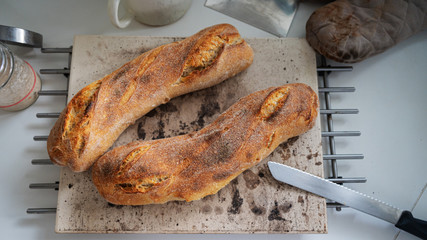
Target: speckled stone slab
(252, 203)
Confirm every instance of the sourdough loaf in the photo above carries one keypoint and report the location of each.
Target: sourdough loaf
(191, 166)
(100, 112)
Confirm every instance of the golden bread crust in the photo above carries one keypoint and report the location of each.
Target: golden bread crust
(101, 111)
(191, 166)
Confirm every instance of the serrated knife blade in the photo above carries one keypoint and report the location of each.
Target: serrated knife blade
(359, 201)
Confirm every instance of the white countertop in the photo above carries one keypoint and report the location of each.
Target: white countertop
(390, 94)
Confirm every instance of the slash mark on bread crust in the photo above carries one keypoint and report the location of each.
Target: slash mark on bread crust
(132, 156)
(273, 102)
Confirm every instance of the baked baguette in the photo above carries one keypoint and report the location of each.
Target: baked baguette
(192, 166)
(101, 111)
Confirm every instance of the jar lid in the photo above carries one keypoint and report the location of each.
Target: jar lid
(6, 64)
(20, 37)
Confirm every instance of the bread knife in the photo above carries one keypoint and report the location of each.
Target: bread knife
(359, 201)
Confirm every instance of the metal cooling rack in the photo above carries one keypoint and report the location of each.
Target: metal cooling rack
(66, 72)
(330, 156)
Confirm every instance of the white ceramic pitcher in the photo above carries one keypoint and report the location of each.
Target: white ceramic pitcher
(150, 12)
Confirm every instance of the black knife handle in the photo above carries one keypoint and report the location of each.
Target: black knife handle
(412, 225)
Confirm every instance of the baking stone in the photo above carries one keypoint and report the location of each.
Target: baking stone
(252, 203)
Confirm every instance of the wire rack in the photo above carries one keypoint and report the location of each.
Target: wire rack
(330, 156)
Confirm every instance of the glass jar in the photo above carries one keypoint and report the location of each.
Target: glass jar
(19, 83)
